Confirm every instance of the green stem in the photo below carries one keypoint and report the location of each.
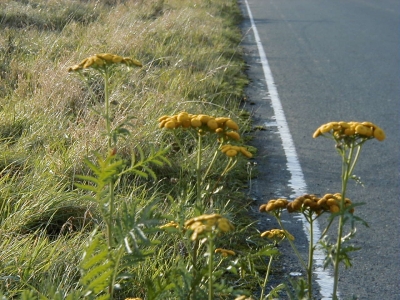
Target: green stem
(229, 166)
(355, 159)
(112, 182)
(347, 167)
(210, 268)
(107, 105)
(266, 277)
(326, 229)
(292, 245)
(115, 273)
(194, 265)
(210, 165)
(198, 169)
(310, 256)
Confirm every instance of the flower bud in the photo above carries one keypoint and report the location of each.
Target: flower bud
(212, 124)
(231, 153)
(233, 135)
(170, 124)
(379, 134)
(231, 124)
(195, 122)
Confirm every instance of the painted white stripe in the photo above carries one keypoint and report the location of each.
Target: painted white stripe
(297, 182)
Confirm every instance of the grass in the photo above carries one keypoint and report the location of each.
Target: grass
(191, 56)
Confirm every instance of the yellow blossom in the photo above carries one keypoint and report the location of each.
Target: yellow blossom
(340, 130)
(208, 223)
(225, 252)
(212, 124)
(171, 224)
(232, 124)
(224, 225)
(233, 135)
(103, 59)
(277, 234)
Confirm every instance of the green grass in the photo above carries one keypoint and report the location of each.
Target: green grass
(191, 56)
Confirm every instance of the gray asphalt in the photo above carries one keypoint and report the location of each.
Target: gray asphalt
(332, 61)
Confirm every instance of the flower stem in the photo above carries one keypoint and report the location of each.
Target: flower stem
(112, 182)
(210, 268)
(310, 256)
(198, 169)
(292, 245)
(348, 164)
(266, 277)
(107, 105)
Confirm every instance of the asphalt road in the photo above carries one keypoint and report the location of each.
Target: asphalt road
(332, 61)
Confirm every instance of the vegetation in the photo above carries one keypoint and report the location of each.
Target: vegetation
(87, 176)
(124, 159)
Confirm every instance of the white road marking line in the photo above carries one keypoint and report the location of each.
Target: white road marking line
(297, 182)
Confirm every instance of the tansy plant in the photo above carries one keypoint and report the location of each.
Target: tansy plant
(226, 131)
(207, 228)
(124, 233)
(349, 138)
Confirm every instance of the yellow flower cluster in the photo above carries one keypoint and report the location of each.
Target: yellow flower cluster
(328, 203)
(225, 252)
(351, 129)
(232, 151)
(304, 202)
(277, 234)
(171, 224)
(274, 205)
(221, 125)
(104, 59)
(208, 223)
(331, 202)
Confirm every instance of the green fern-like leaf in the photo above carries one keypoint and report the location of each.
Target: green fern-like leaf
(132, 228)
(97, 269)
(142, 167)
(103, 173)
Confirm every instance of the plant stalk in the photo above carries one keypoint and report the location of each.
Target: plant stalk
(347, 168)
(266, 277)
(210, 268)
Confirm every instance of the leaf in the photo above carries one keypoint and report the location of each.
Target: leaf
(267, 251)
(140, 173)
(86, 187)
(274, 293)
(88, 178)
(97, 270)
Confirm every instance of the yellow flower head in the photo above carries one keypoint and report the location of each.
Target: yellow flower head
(102, 60)
(306, 202)
(233, 135)
(232, 151)
(356, 130)
(225, 252)
(171, 224)
(208, 223)
(331, 203)
(224, 225)
(273, 205)
(277, 234)
(224, 127)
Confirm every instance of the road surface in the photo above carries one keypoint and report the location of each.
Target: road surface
(332, 61)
